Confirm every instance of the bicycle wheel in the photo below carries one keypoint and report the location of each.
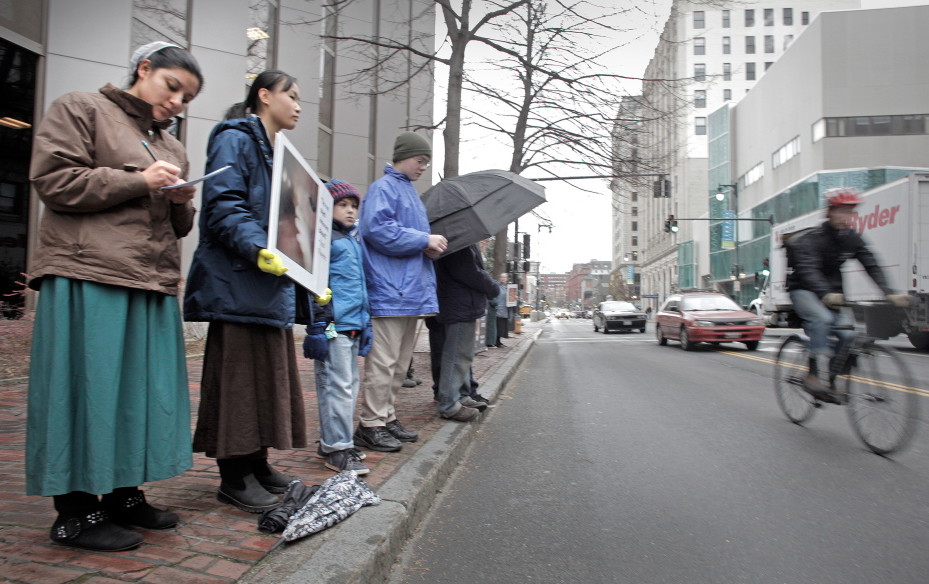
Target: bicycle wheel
(882, 403)
(790, 368)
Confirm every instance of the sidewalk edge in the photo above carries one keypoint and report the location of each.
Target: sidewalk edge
(363, 549)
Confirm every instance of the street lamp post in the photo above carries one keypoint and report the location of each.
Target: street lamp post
(737, 268)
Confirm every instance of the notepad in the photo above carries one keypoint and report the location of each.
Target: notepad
(196, 180)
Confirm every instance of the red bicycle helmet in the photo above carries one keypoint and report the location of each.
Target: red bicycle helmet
(843, 197)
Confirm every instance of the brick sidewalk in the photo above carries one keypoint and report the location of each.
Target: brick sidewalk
(213, 543)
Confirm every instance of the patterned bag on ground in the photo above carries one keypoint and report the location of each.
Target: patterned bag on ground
(337, 498)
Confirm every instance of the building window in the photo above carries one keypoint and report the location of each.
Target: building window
(700, 98)
(726, 23)
(699, 46)
(699, 19)
(788, 38)
(750, 45)
(902, 125)
(769, 43)
(700, 126)
(749, 71)
(727, 95)
(786, 152)
(699, 71)
(158, 21)
(749, 17)
(804, 18)
(755, 174)
(635, 240)
(727, 45)
(635, 225)
(635, 211)
(788, 16)
(326, 97)
(634, 197)
(260, 54)
(727, 71)
(769, 17)
(819, 130)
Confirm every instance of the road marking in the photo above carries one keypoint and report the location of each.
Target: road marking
(857, 378)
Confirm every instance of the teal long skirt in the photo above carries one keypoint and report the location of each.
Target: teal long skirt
(108, 398)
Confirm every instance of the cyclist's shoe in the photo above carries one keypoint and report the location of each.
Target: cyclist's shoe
(815, 387)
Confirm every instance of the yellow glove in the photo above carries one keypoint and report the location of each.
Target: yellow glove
(834, 300)
(324, 299)
(899, 300)
(270, 262)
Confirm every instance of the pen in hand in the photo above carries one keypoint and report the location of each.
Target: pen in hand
(144, 143)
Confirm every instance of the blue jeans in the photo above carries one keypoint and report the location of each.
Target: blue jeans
(337, 383)
(455, 375)
(818, 322)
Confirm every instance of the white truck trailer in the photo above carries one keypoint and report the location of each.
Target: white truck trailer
(894, 221)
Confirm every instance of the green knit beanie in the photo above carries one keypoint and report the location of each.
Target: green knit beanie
(410, 144)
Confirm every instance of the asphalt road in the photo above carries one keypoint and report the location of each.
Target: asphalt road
(612, 459)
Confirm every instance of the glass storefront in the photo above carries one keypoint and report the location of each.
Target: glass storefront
(17, 103)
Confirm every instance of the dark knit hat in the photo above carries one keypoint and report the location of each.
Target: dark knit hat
(341, 189)
(410, 144)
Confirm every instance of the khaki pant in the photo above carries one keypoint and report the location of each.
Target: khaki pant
(385, 368)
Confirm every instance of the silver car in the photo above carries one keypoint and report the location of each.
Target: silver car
(618, 315)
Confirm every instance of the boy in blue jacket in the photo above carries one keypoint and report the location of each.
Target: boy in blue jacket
(336, 354)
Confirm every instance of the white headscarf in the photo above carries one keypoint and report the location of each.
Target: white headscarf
(146, 51)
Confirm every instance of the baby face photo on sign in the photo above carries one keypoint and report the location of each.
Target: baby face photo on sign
(300, 220)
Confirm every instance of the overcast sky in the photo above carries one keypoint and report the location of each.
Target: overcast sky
(582, 226)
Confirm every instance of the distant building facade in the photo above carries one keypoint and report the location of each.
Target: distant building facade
(709, 54)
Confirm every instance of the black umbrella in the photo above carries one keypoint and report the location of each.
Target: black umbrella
(472, 207)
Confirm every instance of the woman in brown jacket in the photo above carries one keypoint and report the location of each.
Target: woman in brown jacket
(108, 397)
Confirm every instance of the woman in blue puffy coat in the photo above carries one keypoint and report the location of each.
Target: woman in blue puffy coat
(250, 396)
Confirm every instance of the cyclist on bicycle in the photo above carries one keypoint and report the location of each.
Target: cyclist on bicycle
(814, 280)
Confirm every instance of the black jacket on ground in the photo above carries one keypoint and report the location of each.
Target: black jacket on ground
(815, 257)
(463, 286)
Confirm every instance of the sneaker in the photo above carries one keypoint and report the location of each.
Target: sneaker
(464, 414)
(376, 438)
(479, 398)
(355, 452)
(401, 433)
(472, 403)
(342, 460)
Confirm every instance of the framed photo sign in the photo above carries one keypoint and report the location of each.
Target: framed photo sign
(300, 224)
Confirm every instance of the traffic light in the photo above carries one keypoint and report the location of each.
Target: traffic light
(526, 267)
(670, 224)
(525, 246)
(765, 267)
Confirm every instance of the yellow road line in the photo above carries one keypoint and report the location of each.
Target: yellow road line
(857, 378)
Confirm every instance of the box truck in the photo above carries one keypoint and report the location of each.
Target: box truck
(894, 221)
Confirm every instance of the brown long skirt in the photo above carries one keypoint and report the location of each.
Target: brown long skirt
(250, 395)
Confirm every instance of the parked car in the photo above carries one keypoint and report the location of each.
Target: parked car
(562, 313)
(617, 315)
(706, 317)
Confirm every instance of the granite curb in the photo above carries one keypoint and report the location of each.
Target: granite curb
(362, 549)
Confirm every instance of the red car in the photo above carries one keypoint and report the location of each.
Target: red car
(706, 317)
